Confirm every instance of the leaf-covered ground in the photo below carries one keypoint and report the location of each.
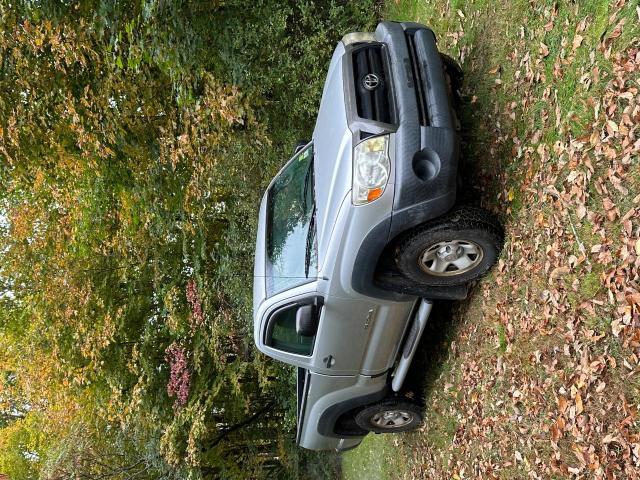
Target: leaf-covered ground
(538, 374)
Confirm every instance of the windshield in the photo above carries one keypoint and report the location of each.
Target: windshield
(291, 234)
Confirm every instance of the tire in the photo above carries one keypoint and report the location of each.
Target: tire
(454, 70)
(453, 250)
(390, 416)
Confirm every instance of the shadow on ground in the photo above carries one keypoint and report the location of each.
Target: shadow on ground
(433, 350)
(482, 177)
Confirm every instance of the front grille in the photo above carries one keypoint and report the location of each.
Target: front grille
(372, 103)
(421, 98)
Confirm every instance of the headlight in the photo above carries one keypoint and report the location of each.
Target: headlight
(371, 168)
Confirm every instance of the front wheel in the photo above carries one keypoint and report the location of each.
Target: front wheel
(390, 416)
(454, 250)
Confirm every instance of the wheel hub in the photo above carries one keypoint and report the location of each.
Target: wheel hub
(392, 419)
(450, 257)
(450, 253)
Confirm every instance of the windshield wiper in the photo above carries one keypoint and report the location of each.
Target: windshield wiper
(311, 233)
(307, 181)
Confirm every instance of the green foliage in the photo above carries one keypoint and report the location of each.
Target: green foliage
(136, 139)
(20, 444)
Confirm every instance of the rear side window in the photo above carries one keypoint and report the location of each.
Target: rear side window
(283, 336)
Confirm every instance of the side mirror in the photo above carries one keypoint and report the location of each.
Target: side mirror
(306, 321)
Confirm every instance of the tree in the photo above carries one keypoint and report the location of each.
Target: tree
(131, 164)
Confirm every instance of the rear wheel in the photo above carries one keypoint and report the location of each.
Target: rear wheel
(390, 416)
(453, 250)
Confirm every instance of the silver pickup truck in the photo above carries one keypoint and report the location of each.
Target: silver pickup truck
(361, 231)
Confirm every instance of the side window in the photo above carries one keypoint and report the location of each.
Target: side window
(282, 334)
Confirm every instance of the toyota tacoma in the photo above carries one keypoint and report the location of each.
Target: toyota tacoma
(362, 230)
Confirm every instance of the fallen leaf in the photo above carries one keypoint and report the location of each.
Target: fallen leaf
(582, 25)
(544, 50)
(579, 406)
(577, 41)
(562, 404)
(633, 298)
(557, 273)
(581, 211)
(618, 30)
(616, 327)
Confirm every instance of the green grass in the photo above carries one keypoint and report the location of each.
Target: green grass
(372, 460)
(502, 338)
(590, 284)
(492, 37)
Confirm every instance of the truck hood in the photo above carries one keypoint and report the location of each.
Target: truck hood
(332, 142)
(332, 174)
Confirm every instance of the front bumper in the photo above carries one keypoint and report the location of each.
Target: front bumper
(426, 140)
(426, 143)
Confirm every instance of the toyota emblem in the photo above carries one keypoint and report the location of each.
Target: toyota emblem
(371, 81)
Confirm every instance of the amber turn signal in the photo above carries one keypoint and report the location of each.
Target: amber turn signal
(374, 193)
